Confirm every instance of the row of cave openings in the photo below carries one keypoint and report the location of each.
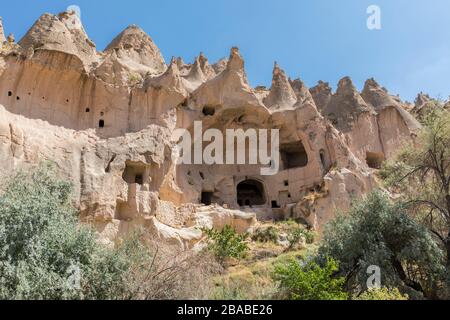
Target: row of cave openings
(249, 193)
(101, 122)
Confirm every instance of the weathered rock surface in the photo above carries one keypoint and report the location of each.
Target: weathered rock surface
(106, 119)
(2, 32)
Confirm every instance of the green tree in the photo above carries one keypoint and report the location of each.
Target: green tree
(421, 175)
(377, 232)
(226, 243)
(44, 252)
(311, 281)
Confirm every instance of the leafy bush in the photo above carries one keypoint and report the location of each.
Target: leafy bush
(44, 253)
(310, 282)
(298, 234)
(269, 234)
(226, 243)
(377, 232)
(383, 294)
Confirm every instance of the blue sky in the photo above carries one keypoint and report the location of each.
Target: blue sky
(311, 39)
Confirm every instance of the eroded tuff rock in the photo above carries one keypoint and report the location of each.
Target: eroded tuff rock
(130, 57)
(106, 119)
(62, 33)
(2, 32)
(281, 95)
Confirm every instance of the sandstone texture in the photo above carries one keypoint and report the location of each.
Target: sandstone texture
(106, 119)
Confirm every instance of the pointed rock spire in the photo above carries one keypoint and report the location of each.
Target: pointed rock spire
(220, 65)
(169, 80)
(180, 62)
(207, 70)
(348, 98)
(377, 96)
(301, 91)
(59, 33)
(281, 95)
(235, 63)
(345, 105)
(133, 45)
(229, 88)
(2, 32)
(196, 73)
(321, 94)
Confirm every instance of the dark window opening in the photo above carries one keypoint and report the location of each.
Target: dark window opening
(17, 98)
(67, 100)
(322, 159)
(209, 111)
(9, 93)
(251, 193)
(101, 123)
(88, 110)
(134, 173)
(207, 198)
(289, 196)
(139, 179)
(374, 160)
(275, 205)
(286, 183)
(293, 155)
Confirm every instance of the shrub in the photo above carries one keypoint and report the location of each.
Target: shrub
(269, 234)
(44, 252)
(383, 294)
(134, 79)
(377, 232)
(298, 234)
(310, 282)
(168, 274)
(226, 243)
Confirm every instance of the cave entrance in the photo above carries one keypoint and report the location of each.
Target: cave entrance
(374, 160)
(206, 198)
(251, 193)
(293, 155)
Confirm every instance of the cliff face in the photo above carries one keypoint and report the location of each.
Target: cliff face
(106, 119)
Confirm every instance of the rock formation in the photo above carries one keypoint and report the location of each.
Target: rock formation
(106, 119)
(2, 32)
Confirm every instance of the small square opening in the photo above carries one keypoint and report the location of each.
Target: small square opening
(206, 198)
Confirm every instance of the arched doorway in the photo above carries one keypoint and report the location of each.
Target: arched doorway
(251, 193)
